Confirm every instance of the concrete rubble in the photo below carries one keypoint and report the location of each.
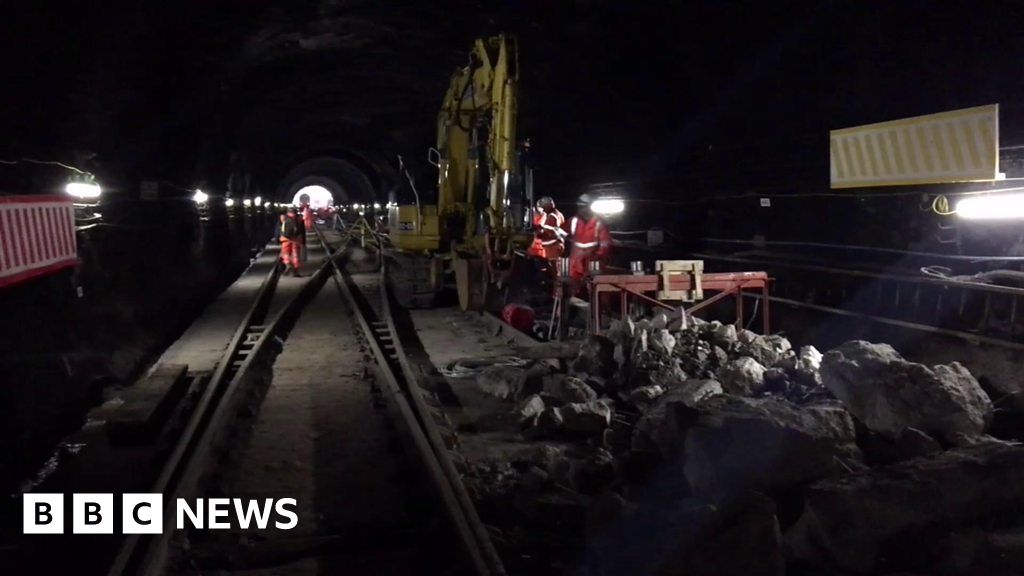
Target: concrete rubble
(979, 551)
(645, 395)
(529, 409)
(562, 388)
(768, 350)
(658, 428)
(851, 522)
(550, 420)
(767, 444)
(504, 382)
(889, 394)
(911, 443)
(747, 439)
(745, 541)
(596, 356)
(743, 376)
(586, 417)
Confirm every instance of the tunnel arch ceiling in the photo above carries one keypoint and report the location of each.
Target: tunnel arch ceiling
(337, 83)
(346, 181)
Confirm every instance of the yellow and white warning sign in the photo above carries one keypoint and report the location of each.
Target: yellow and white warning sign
(955, 146)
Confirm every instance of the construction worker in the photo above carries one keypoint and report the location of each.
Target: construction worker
(290, 224)
(591, 239)
(278, 225)
(548, 235)
(301, 224)
(307, 216)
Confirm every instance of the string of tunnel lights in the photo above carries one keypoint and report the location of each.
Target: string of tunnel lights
(86, 190)
(999, 204)
(81, 185)
(202, 199)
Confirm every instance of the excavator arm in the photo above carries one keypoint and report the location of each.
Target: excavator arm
(476, 137)
(470, 230)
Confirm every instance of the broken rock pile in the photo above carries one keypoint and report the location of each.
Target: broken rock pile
(707, 418)
(889, 394)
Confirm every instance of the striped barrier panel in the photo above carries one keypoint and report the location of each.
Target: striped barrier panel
(955, 146)
(37, 237)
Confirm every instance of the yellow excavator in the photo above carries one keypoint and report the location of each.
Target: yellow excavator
(476, 225)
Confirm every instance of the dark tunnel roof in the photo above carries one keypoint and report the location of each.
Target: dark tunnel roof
(187, 91)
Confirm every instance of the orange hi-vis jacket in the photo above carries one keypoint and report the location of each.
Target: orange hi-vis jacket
(547, 238)
(591, 240)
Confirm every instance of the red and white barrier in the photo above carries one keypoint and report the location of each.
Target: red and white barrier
(37, 236)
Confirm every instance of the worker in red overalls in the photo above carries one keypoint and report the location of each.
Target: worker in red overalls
(290, 242)
(307, 216)
(591, 239)
(548, 242)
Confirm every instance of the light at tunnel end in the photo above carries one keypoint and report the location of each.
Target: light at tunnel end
(319, 197)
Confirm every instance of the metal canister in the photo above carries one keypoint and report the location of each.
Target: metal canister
(563, 267)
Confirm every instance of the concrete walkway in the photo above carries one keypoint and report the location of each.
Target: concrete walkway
(203, 344)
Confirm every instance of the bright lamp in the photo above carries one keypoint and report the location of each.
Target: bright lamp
(607, 206)
(993, 207)
(83, 190)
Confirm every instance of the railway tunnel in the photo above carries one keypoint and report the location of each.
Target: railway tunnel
(789, 346)
(327, 181)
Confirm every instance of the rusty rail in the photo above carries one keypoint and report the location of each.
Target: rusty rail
(207, 425)
(403, 392)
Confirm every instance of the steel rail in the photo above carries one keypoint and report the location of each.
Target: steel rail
(200, 414)
(855, 248)
(205, 431)
(483, 537)
(975, 299)
(968, 337)
(927, 280)
(380, 332)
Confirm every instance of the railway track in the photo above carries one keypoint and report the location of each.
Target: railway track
(206, 430)
(209, 431)
(372, 303)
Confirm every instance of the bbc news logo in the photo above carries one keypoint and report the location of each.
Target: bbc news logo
(144, 513)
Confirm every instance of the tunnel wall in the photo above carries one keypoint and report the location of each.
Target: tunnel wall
(144, 277)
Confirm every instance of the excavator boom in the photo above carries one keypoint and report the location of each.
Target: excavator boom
(471, 228)
(480, 104)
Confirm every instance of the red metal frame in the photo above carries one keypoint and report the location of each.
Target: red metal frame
(639, 286)
(34, 199)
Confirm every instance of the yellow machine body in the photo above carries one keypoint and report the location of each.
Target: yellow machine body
(476, 138)
(414, 230)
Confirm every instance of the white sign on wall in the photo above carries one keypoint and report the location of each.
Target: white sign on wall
(954, 146)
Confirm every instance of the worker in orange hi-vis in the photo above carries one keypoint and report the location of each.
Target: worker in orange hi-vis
(300, 223)
(548, 235)
(591, 239)
(290, 242)
(307, 216)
